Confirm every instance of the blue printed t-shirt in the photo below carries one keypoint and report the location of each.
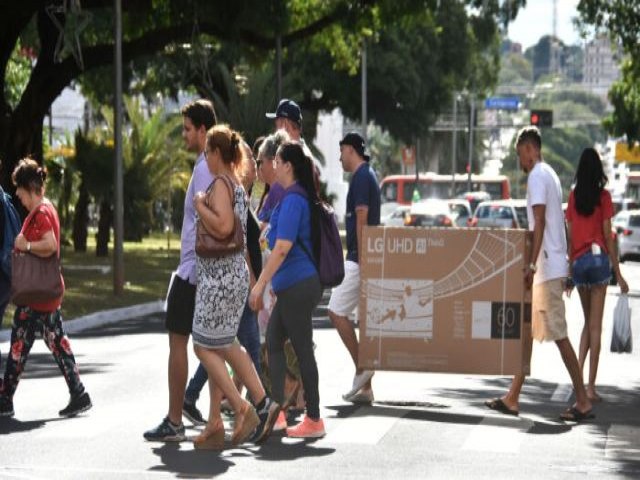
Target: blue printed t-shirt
(291, 220)
(363, 190)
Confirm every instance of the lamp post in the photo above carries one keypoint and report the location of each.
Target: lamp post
(279, 66)
(364, 88)
(470, 158)
(454, 144)
(118, 222)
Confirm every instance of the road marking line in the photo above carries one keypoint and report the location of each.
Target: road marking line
(489, 437)
(562, 393)
(363, 429)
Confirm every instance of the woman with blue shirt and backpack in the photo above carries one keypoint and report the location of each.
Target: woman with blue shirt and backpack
(294, 233)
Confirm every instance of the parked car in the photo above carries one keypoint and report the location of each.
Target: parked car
(431, 212)
(622, 204)
(396, 217)
(501, 214)
(474, 198)
(628, 230)
(620, 219)
(460, 210)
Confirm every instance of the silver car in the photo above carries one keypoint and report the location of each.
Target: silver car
(500, 214)
(628, 230)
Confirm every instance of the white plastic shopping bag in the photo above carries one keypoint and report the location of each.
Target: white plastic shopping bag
(621, 339)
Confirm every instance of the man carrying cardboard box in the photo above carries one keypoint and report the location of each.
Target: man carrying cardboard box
(546, 271)
(363, 208)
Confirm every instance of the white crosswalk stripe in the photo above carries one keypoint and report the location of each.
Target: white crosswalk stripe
(562, 393)
(362, 428)
(493, 435)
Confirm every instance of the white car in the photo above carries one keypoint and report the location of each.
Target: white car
(396, 217)
(461, 211)
(501, 214)
(620, 219)
(431, 212)
(628, 229)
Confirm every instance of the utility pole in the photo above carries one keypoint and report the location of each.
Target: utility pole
(472, 105)
(454, 144)
(279, 66)
(364, 88)
(118, 223)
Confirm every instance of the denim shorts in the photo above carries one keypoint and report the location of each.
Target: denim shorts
(590, 269)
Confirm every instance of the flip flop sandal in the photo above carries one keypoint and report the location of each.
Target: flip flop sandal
(574, 415)
(499, 406)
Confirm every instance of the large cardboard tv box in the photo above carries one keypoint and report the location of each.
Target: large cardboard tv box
(444, 300)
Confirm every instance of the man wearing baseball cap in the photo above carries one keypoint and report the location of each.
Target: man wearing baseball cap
(363, 208)
(287, 117)
(288, 112)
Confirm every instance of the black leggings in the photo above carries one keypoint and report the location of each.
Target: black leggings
(291, 318)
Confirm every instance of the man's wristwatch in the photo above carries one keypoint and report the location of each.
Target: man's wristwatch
(532, 267)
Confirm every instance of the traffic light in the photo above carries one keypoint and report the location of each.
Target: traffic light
(541, 118)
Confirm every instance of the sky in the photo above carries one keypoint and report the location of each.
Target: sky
(536, 20)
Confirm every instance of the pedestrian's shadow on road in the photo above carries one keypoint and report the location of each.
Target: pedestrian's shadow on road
(13, 425)
(42, 365)
(190, 463)
(441, 413)
(279, 447)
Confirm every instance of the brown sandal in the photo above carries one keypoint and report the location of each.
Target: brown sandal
(211, 438)
(246, 422)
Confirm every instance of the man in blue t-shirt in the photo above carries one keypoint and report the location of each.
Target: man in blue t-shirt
(363, 208)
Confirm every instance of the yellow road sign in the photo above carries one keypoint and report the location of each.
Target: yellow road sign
(626, 154)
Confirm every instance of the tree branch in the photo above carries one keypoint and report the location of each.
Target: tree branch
(11, 26)
(47, 82)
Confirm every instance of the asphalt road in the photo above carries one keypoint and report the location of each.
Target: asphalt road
(420, 426)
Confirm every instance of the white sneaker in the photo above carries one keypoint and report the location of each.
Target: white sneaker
(363, 397)
(359, 382)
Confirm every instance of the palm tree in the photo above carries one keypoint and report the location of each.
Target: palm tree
(155, 167)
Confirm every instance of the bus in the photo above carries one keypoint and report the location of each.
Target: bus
(400, 188)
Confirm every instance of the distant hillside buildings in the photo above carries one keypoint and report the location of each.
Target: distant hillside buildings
(601, 66)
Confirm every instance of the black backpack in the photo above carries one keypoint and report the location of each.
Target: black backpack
(330, 263)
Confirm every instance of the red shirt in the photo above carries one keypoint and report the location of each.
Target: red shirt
(588, 230)
(41, 220)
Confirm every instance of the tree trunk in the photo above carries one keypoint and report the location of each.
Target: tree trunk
(104, 229)
(81, 220)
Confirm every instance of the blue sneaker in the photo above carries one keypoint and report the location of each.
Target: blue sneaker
(192, 413)
(166, 432)
(268, 415)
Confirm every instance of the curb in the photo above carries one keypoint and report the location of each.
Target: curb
(105, 317)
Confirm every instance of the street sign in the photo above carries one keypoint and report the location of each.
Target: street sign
(502, 103)
(626, 154)
(409, 155)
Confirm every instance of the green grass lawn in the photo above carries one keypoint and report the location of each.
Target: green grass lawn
(147, 268)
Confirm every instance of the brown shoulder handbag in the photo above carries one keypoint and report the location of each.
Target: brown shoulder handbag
(210, 246)
(35, 279)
